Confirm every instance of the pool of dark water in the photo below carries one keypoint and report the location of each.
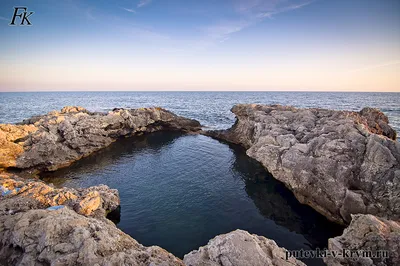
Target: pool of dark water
(179, 191)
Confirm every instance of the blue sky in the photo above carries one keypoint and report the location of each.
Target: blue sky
(320, 45)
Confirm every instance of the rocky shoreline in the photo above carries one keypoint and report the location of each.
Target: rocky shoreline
(57, 139)
(343, 164)
(346, 165)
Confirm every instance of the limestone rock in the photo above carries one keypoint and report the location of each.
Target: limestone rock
(57, 139)
(367, 233)
(377, 122)
(239, 248)
(63, 237)
(11, 143)
(23, 195)
(338, 162)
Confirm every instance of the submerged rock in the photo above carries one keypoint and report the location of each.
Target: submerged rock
(57, 139)
(376, 240)
(338, 162)
(239, 248)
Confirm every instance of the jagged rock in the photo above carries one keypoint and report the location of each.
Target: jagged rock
(11, 143)
(57, 139)
(331, 160)
(74, 231)
(63, 237)
(367, 233)
(22, 195)
(239, 248)
(42, 225)
(377, 122)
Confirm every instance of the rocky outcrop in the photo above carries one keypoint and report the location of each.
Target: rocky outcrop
(338, 162)
(63, 237)
(42, 225)
(239, 248)
(21, 195)
(373, 240)
(11, 146)
(57, 139)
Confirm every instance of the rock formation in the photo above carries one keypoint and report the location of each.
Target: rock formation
(343, 164)
(369, 235)
(42, 225)
(239, 248)
(20, 195)
(11, 145)
(57, 139)
(63, 237)
(338, 162)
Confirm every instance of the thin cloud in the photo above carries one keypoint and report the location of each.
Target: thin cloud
(270, 14)
(251, 12)
(222, 30)
(143, 3)
(3, 18)
(89, 14)
(129, 10)
(384, 64)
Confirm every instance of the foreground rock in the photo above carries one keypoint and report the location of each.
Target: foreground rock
(42, 225)
(20, 195)
(57, 139)
(338, 162)
(63, 237)
(369, 235)
(239, 248)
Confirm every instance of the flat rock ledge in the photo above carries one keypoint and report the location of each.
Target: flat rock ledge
(239, 248)
(57, 139)
(338, 162)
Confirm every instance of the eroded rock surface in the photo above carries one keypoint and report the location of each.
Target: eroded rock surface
(63, 237)
(11, 143)
(239, 248)
(74, 231)
(20, 195)
(57, 139)
(367, 233)
(43, 225)
(338, 162)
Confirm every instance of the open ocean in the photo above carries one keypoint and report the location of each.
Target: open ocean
(212, 109)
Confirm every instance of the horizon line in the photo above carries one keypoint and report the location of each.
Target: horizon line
(318, 91)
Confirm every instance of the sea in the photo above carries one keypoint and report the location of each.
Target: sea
(212, 109)
(178, 191)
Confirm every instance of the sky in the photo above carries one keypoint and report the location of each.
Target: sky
(225, 45)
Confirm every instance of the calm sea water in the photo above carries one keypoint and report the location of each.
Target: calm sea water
(178, 191)
(212, 109)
